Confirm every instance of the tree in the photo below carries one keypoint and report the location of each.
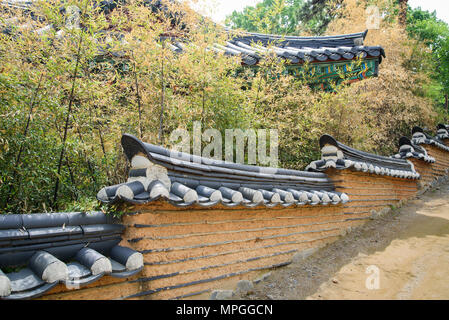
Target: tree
(434, 33)
(289, 17)
(128, 76)
(317, 14)
(426, 27)
(403, 12)
(442, 56)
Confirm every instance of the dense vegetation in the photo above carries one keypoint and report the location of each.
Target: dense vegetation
(434, 34)
(66, 97)
(289, 17)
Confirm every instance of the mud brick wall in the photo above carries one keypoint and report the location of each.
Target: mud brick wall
(426, 171)
(368, 192)
(191, 251)
(107, 288)
(440, 167)
(446, 142)
(195, 250)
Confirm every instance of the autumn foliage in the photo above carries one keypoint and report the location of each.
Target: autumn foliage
(117, 74)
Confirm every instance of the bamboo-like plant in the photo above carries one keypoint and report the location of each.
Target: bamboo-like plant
(68, 92)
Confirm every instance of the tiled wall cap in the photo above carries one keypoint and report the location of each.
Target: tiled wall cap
(5, 285)
(48, 268)
(94, 260)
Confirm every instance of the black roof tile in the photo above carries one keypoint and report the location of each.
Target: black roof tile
(45, 242)
(407, 149)
(251, 47)
(192, 180)
(337, 155)
(419, 137)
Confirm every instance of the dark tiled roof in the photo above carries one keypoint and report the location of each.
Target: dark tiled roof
(184, 180)
(337, 155)
(87, 242)
(407, 149)
(301, 49)
(251, 47)
(106, 6)
(348, 40)
(420, 137)
(252, 52)
(443, 132)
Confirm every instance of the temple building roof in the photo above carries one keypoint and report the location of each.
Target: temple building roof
(251, 47)
(295, 50)
(301, 49)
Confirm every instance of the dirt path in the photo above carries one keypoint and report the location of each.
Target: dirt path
(407, 248)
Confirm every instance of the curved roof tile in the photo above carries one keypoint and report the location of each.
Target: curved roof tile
(420, 137)
(294, 49)
(183, 180)
(339, 156)
(443, 132)
(407, 149)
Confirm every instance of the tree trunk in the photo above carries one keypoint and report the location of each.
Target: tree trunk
(138, 98)
(69, 112)
(446, 104)
(161, 119)
(403, 6)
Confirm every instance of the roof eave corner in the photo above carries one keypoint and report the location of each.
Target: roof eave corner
(365, 33)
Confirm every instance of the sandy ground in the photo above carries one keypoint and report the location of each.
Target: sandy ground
(402, 255)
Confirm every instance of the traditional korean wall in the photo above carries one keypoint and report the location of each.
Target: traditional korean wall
(189, 251)
(426, 171)
(369, 191)
(194, 250)
(446, 142)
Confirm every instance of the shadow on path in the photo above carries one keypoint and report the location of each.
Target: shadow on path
(418, 218)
